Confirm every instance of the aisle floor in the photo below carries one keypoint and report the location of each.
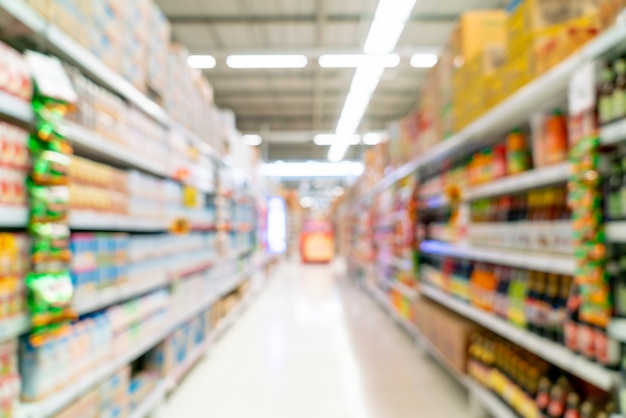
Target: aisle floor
(314, 346)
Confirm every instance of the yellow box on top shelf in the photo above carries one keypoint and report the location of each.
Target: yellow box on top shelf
(476, 30)
(534, 15)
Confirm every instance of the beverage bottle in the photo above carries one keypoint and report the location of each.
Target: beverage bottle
(587, 409)
(531, 302)
(571, 329)
(557, 138)
(542, 304)
(621, 155)
(573, 406)
(561, 307)
(605, 96)
(543, 394)
(558, 399)
(517, 155)
(551, 301)
(619, 90)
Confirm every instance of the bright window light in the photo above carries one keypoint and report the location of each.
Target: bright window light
(424, 60)
(330, 139)
(389, 22)
(354, 61)
(372, 138)
(267, 61)
(201, 61)
(312, 169)
(252, 140)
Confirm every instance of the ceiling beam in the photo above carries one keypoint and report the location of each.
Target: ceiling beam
(312, 53)
(195, 19)
(318, 91)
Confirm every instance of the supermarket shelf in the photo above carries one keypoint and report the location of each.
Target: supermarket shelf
(529, 260)
(116, 294)
(435, 202)
(542, 93)
(61, 44)
(16, 110)
(613, 133)
(172, 381)
(90, 144)
(617, 329)
(616, 231)
(488, 400)
(152, 401)
(56, 402)
(554, 353)
(383, 301)
(13, 217)
(404, 290)
(96, 221)
(531, 179)
(14, 327)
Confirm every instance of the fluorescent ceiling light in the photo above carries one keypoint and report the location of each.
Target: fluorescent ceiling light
(252, 140)
(201, 61)
(366, 78)
(330, 139)
(267, 61)
(337, 152)
(372, 138)
(354, 61)
(389, 22)
(424, 60)
(312, 169)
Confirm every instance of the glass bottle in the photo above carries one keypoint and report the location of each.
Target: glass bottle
(619, 90)
(605, 96)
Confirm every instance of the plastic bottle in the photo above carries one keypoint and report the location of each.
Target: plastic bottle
(517, 155)
(557, 138)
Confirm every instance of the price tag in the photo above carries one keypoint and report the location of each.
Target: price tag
(50, 77)
(582, 89)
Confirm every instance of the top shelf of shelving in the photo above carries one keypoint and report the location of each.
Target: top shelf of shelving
(544, 92)
(61, 44)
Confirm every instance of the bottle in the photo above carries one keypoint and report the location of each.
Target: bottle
(605, 96)
(571, 328)
(542, 400)
(558, 398)
(621, 156)
(557, 138)
(531, 302)
(561, 308)
(619, 90)
(551, 301)
(587, 409)
(542, 304)
(517, 155)
(573, 406)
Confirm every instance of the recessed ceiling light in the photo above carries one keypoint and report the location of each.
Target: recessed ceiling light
(356, 60)
(424, 60)
(252, 140)
(330, 139)
(201, 61)
(267, 61)
(372, 138)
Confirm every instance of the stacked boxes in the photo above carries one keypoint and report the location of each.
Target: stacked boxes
(158, 47)
(478, 43)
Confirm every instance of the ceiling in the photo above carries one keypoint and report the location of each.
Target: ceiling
(289, 106)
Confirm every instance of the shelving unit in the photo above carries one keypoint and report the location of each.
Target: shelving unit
(481, 396)
(552, 352)
(56, 402)
(513, 184)
(535, 261)
(544, 92)
(16, 110)
(13, 217)
(95, 221)
(14, 327)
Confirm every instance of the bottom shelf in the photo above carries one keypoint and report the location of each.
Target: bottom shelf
(487, 400)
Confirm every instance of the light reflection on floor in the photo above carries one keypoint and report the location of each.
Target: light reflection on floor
(315, 347)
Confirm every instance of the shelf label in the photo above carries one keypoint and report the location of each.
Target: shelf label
(50, 77)
(582, 89)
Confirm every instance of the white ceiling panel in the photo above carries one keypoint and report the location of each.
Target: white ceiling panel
(291, 35)
(237, 36)
(195, 37)
(426, 34)
(342, 35)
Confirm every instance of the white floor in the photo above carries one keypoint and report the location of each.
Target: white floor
(312, 346)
